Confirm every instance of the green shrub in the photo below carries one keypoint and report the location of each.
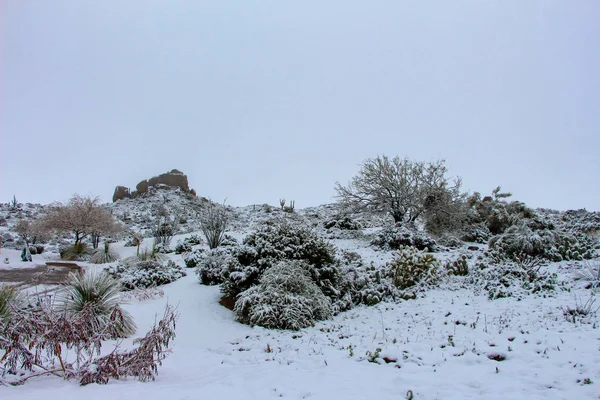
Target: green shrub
(285, 298)
(397, 237)
(10, 297)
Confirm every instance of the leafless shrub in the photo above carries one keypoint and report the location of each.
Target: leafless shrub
(213, 222)
(35, 338)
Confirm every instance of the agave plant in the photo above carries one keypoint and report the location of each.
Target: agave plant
(97, 294)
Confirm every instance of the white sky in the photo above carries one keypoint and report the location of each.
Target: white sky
(255, 101)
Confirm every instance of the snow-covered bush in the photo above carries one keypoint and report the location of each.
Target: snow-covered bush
(282, 239)
(285, 298)
(277, 240)
(212, 264)
(342, 222)
(411, 266)
(193, 240)
(182, 247)
(368, 286)
(192, 259)
(397, 237)
(521, 241)
(512, 279)
(477, 233)
(228, 240)
(144, 274)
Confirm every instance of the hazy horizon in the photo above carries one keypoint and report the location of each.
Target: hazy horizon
(262, 101)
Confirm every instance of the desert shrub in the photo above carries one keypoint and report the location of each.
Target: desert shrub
(103, 256)
(228, 240)
(76, 252)
(38, 248)
(583, 310)
(182, 247)
(342, 222)
(282, 239)
(193, 240)
(98, 294)
(396, 237)
(191, 259)
(369, 286)
(144, 274)
(211, 265)
(411, 267)
(132, 241)
(515, 279)
(477, 233)
(285, 298)
(521, 241)
(458, 266)
(33, 250)
(163, 233)
(213, 221)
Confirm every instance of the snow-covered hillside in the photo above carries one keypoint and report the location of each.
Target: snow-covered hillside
(450, 342)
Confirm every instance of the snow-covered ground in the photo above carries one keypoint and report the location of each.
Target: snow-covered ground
(450, 343)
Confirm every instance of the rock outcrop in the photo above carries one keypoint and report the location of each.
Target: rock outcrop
(121, 192)
(173, 179)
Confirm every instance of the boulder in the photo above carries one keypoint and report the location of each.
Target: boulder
(174, 178)
(142, 187)
(121, 192)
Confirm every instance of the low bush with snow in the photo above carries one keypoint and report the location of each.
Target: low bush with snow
(286, 297)
(145, 274)
(394, 238)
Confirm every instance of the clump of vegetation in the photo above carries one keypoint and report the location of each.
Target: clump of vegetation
(341, 221)
(459, 266)
(213, 222)
(411, 267)
(35, 338)
(286, 297)
(583, 310)
(103, 256)
(397, 237)
(510, 279)
(75, 252)
(182, 247)
(554, 245)
(591, 274)
(10, 299)
(145, 274)
(97, 294)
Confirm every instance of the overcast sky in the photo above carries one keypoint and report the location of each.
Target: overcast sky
(258, 100)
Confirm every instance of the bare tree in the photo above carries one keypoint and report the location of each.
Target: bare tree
(213, 222)
(400, 187)
(82, 216)
(31, 232)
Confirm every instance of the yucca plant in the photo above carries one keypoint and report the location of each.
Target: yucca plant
(10, 298)
(97, 294)
(77, 252)
(104, 256)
